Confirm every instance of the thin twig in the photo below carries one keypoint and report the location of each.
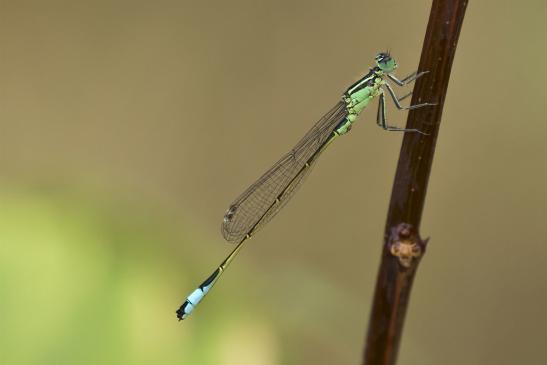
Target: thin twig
(403, 247)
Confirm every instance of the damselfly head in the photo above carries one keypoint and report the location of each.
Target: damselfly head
(385, 62)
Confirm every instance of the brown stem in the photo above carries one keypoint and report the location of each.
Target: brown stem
(403, 247)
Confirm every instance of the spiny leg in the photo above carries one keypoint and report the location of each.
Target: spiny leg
(405, 96)
(397, 101)
(382, 121)
(412, 77)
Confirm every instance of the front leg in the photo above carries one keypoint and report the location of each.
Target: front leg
(412, 77)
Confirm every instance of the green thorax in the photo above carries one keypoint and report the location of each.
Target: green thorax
(358, 95)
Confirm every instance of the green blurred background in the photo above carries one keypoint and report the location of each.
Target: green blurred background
(127, 128)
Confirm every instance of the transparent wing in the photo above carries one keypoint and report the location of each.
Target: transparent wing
(263, 199)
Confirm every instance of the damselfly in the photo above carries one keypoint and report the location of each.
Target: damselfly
(263, 199)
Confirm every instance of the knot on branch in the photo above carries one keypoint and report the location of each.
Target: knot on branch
(405, 244)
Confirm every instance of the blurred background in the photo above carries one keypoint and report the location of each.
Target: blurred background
(128, 127)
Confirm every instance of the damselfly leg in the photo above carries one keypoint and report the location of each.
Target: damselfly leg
(381, 119)
(407, 80)
(397, 101)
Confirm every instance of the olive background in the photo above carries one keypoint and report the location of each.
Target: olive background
(128, 127)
